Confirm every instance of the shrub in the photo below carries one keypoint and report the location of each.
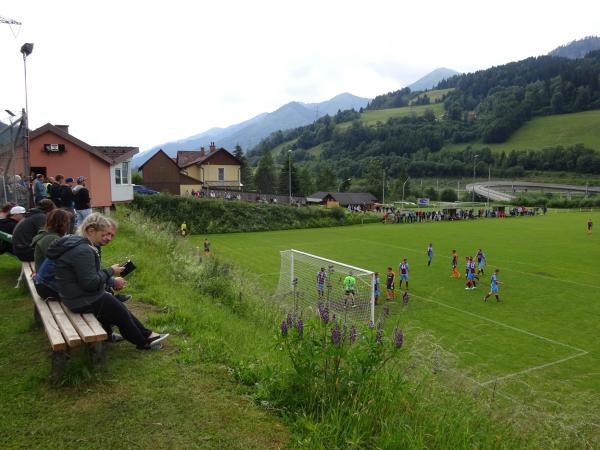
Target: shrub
(218, 216)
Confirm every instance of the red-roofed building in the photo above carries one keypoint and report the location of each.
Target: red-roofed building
(53, 151)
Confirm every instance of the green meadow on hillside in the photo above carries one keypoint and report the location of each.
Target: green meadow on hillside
(550, 131)
(538, 347)
(434, 95)
(382, 115)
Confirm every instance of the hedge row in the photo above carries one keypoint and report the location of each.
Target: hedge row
(220, 216)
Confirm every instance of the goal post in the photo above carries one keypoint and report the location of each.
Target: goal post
(306, 281)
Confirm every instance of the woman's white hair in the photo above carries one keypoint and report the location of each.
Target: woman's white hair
(96, 221)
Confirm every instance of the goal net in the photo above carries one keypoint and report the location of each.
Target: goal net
(307, 281)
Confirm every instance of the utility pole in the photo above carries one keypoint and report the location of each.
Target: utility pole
(383, 187)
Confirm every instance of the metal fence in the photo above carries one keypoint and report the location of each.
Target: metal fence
(13, 185)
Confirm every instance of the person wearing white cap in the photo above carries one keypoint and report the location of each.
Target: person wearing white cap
(8, 224)
(83, 206)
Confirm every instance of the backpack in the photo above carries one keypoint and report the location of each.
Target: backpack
(45, 275)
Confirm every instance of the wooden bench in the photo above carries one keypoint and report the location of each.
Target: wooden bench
(64, 328)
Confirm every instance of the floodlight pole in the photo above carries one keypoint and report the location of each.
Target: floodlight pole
(402, 203)
(26, 50)
(474, 162)
(290, 175)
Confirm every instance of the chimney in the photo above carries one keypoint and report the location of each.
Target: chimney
(202, 152)
(64, 128)
(212, 147)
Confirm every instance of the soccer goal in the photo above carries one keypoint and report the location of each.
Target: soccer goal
(306, 281)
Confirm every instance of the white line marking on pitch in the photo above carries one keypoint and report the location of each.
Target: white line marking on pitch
(520, 330)
(531, 369)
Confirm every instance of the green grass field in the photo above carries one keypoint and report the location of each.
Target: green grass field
(537, 347)
(550, 131)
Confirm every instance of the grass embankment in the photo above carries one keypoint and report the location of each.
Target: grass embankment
(549, 131)
(180, 397)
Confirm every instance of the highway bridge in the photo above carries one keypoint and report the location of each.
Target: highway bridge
(508, 190)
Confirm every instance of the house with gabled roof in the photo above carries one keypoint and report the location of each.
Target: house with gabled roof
(363, 199)
(53, 150)
(215, 168)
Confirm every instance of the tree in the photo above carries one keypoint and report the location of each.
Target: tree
(245, 171)
(431, 193)
(306, 185)
(374, 177)
(325, 178)
(265, 174)
(448, 195)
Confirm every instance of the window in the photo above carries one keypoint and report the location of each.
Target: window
(125, 173)
(122, 173)
(221, 173)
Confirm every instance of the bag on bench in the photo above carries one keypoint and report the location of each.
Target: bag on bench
(46, 274)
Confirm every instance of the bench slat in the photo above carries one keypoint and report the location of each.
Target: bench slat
(57, 342)
(95, 326)
(84, 330)
(65, 325)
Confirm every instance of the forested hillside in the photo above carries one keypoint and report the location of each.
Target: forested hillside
(484, 107)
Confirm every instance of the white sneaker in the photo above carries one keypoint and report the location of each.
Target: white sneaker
(157, 343)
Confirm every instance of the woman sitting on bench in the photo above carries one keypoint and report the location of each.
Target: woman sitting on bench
(58, 223)
(81, 282)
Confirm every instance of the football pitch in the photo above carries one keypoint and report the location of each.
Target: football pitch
(538, 346)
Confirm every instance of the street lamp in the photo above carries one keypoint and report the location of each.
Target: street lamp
(26, 50)
(402, 202)
(290, 175)
(474, 162)
(342, 183)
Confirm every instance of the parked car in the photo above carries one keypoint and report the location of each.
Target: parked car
(139, 189)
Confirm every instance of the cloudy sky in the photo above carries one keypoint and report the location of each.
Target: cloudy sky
(142, 73)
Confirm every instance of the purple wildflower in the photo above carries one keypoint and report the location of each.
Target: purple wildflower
(336, 336)
(405, 298)
(352, 334)
(284, 328)
(398, 338)
(380, 324)
(290, 320)
(300, 327)
(379, 336)
(324, 313)
(386, 310)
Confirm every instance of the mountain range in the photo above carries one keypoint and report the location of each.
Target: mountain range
(291, 115)
(248, 133)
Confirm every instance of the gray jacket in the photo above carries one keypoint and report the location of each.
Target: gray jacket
(80, 279)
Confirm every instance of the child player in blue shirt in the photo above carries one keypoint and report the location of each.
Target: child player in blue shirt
(494, 286)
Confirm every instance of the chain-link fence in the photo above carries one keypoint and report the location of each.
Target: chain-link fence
(13, 185)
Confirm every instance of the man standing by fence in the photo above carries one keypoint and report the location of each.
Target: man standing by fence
(81, 196)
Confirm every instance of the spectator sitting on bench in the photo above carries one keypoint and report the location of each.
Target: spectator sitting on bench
(5, 212)
(27, 228)
(110, 234)
(81, 283)
(58, 224)
(8, 224)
